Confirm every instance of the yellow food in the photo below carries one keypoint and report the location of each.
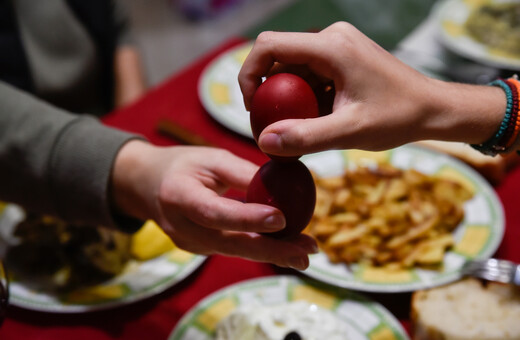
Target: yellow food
(150, 241)
(384, 216)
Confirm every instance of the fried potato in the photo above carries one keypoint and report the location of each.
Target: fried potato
(385, 216)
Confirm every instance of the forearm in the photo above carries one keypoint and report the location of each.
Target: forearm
(130, 81)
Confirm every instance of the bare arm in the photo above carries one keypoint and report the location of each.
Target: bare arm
(130, 81)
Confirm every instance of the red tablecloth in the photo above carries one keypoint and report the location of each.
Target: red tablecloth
(154, 318)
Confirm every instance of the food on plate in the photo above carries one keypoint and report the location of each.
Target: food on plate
(496, 25)
(52, 255)
(150, 241)
(287, 321)
(467, 309)
(288, 186)
(55, 255)
(387, 217)
(281, 96)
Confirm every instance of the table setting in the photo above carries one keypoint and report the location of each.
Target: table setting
(177, 295)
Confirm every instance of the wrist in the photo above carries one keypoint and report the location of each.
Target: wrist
(462, 112)
(129, 185)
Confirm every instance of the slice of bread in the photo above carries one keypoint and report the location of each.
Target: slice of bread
(466, 309)
(494, 169)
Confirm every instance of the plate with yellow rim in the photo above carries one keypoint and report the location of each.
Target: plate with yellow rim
(220, 93)
(477, 236)
(363, 318)
(451, 16)
(141, 278)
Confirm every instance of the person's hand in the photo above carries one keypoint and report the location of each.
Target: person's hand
(180, 188)
(379, 101)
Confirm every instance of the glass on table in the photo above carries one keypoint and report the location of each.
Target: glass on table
(4, 292)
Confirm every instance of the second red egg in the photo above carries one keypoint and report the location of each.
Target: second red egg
(288, 186)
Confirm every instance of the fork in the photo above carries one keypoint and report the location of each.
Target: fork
(493, 270)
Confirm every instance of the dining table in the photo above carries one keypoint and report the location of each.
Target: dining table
(177, 100)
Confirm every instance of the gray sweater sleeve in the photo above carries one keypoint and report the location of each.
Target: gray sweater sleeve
(55, 162)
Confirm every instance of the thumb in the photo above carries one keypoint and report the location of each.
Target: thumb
(294, 137)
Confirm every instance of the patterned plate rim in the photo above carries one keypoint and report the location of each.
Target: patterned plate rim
(340, 293)
(203, 91)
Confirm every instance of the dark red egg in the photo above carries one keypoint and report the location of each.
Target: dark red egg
(281, 96)
(288, 186)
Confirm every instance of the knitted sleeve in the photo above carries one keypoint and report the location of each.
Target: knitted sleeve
(55, 162)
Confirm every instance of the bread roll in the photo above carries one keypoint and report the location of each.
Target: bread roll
(494, 169)
(466, 310)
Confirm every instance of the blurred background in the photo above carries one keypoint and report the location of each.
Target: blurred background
(173, 33)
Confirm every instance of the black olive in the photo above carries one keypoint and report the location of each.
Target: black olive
(293, 336)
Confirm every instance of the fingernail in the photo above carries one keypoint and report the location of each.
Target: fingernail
(309, 246)
(275, 222)
(313, 249)
(299, 263)
(270, 142)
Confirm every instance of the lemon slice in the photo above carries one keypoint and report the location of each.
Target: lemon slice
(150, 241)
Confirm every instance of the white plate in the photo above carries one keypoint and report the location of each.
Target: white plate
(450, 16)
(365, 319)
(140, 280)
(478, 235)
(220, 93)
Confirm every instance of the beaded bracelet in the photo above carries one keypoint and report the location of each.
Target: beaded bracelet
(509, 145)
(509, 127)
(508, 136)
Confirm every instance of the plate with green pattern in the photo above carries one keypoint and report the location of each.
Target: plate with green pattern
(220, 93)
(363, 318)
(139, 279)
(478, 235)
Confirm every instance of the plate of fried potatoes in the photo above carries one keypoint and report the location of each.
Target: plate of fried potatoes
(399, 220)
